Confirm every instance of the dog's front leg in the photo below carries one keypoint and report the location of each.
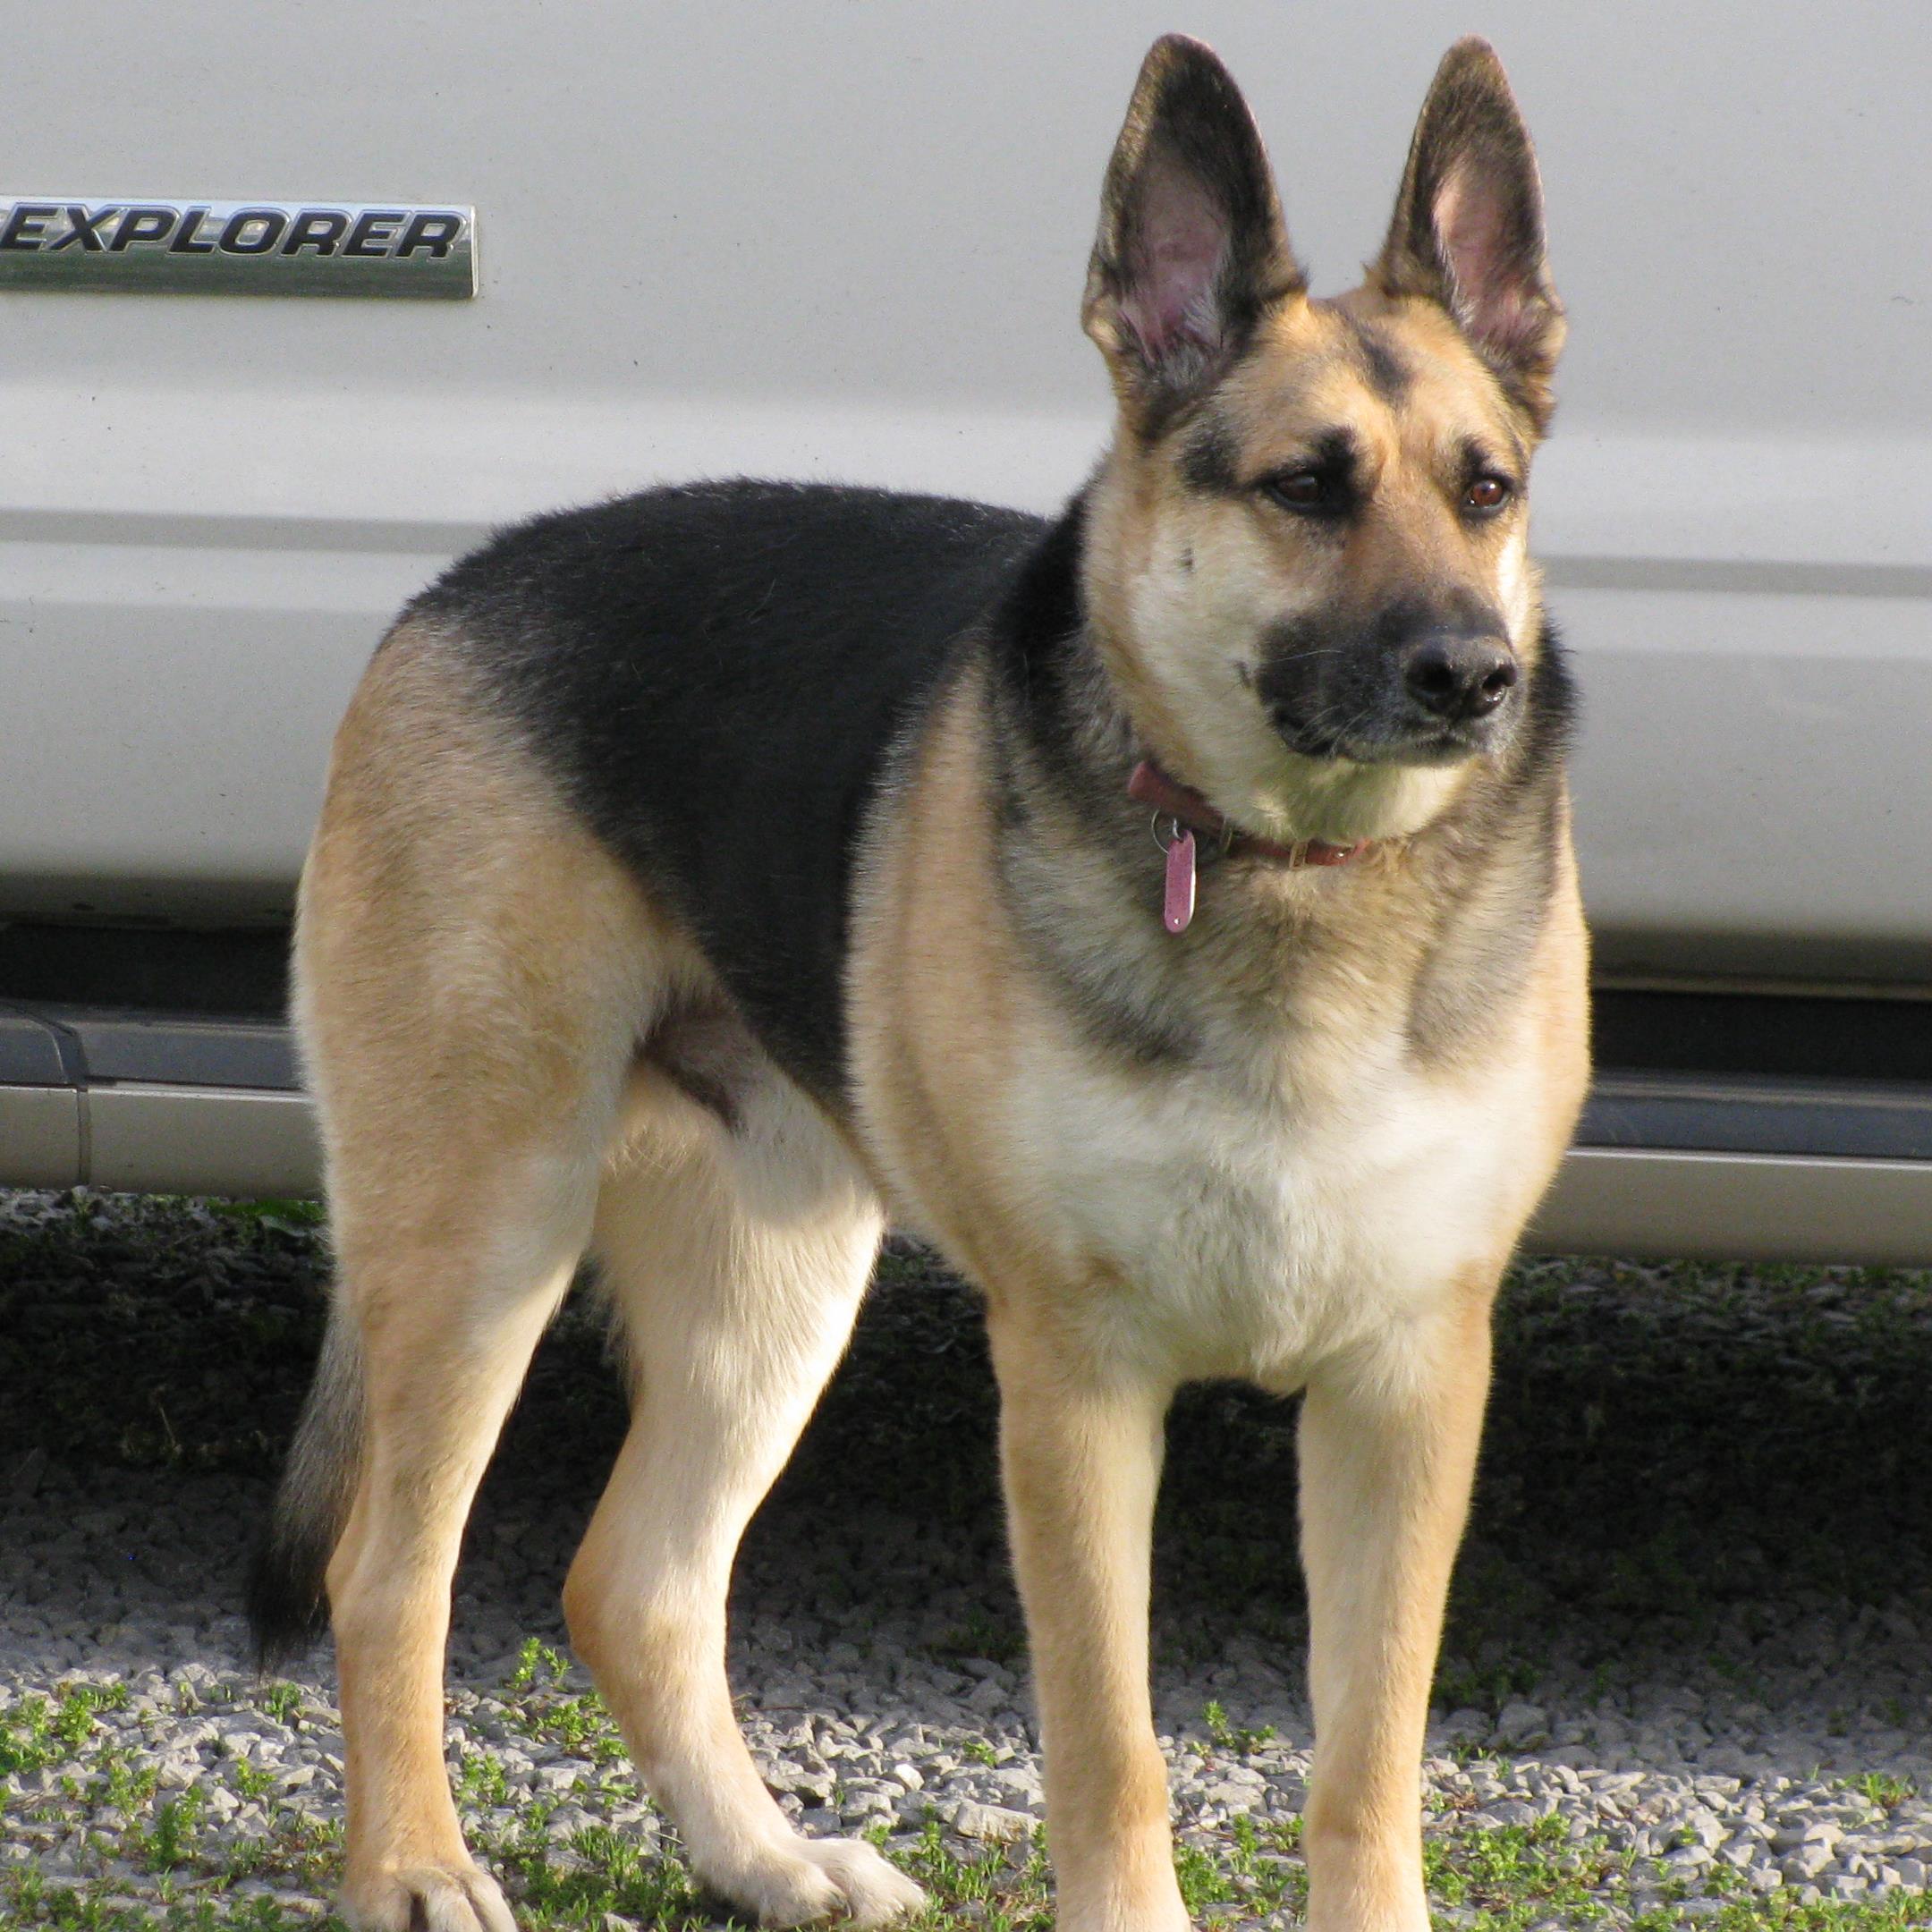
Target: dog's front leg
(1082, 1454)
(1388, 1454)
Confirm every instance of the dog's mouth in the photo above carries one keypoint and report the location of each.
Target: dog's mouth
(1402, 740)
(1304, 740)
(1445, 744)
(1439, 744)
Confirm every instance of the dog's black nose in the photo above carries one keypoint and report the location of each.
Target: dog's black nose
(1454, 675)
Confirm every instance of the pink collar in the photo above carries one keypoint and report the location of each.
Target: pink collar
(1187, 813)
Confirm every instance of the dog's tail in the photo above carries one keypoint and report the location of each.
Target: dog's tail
(288, 1606)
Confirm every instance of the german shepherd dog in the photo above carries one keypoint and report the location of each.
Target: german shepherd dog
(1167, 911)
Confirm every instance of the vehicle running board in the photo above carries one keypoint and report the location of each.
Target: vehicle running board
(1667, 1165)
(1737, 1115)
(143, 1103)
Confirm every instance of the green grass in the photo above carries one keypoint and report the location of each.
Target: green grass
(283, 1702)
(545, 1710)
(281, 1216)
(1508, 1879)
(603, 1872)
(155, 1861)
(40, 1731)
(1888, 1792)
(1240, 1738)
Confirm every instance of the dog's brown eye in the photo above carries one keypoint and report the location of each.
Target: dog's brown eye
(1302, 489)
(1487, 493)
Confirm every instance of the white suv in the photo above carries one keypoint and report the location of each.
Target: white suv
(848, 241)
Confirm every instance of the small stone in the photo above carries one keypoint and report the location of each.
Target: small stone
(993, 1823)
(1810, 1831)
(1520, 1725)
(802, 1781)
(1230, 1797)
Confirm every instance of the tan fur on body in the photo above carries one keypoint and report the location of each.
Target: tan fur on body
(512, 1040)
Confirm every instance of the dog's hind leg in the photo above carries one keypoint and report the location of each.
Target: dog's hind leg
(448, 1308)
(735, 1239)
(472, 975)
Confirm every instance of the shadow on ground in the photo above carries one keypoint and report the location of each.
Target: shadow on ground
(1683, 1466)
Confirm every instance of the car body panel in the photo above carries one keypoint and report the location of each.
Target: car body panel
(850, 243)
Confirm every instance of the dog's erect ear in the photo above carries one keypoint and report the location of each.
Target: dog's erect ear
(1192, 250)
(1468, 229)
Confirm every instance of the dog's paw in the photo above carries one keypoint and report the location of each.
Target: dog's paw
(457, 1897)
(876, 1893)
(804, 1881)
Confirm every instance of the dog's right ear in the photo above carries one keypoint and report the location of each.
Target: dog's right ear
(1192, 250)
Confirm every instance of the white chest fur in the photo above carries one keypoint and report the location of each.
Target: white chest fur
(1240, 1233)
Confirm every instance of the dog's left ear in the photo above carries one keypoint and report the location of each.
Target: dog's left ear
(1192, 250)
(1468, 228)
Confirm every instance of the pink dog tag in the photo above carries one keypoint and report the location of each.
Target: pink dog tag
(1179, 909)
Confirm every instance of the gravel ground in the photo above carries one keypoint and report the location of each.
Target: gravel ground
(1684, 1680)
